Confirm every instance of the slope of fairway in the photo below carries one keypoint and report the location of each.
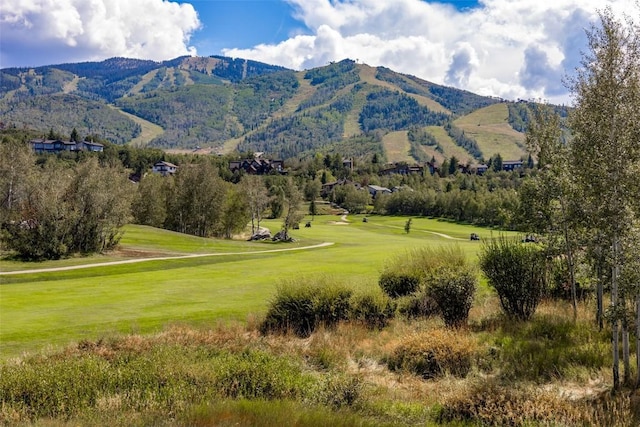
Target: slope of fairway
(142, 241)
(43, 309)
(490, 128)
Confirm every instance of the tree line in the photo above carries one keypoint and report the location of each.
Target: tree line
(584, 194)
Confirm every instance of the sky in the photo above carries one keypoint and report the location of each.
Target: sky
(513, 49)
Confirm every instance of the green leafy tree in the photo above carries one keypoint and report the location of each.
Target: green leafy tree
(16, 170)
(195, 205)
(292, 199)
(496, 163)
(312, 189)
(551, 209)
(407, 226)
(313, 209)
(150, 204)
(80, 210)
(236, 211)
(257, 198)
(605, 148)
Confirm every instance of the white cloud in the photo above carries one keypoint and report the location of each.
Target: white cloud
(508, 48)
(53, 31)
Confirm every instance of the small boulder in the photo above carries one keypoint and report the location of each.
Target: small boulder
(261, 234)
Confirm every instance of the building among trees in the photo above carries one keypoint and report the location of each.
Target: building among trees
(41, 146)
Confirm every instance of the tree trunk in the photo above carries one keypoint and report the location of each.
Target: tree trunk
(600, 297)
(626, 365)
(637, 385)
(615, 323)
(572, 273)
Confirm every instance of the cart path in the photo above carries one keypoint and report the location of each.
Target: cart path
(165, 258)
(445, 236)
(343, 218)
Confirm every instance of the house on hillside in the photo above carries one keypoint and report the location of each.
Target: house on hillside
(329, 186)
(402, 169)
(90, 146)
(511, 165)
(53, 146)
(481, 169)
(257, 166)
(376, 190)
(164, 168)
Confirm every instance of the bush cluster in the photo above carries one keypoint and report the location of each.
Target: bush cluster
(372, 309)
(397, 284)
(433, 354)
(431, 281)
(517, 272)
(302, 307)
(453, 291)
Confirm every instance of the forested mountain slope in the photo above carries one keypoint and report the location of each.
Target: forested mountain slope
(227, 104)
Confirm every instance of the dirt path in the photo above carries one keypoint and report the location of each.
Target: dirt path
(165, 258)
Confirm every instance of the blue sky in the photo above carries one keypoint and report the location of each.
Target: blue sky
(514, 49)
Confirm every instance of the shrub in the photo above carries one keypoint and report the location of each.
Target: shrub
(291, 309)
(453, 292)
(490, 404)
(418, 304)
(517, 272)
(332, 305)
(372, 309)
(398, 284)
(433, 354)
(339, 390)
(302, 307)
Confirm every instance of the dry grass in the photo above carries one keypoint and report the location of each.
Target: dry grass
(352, 361)
(396, 147)
(489, 127)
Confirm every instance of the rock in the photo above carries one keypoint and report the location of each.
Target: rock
(261, 234)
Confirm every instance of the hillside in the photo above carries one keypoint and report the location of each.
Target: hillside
(227, 104)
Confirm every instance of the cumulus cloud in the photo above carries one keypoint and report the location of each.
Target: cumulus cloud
(53, 31)
(507, 48)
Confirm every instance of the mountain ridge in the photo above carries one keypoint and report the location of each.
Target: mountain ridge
(229, 103)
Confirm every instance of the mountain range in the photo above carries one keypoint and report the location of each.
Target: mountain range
(225, 104)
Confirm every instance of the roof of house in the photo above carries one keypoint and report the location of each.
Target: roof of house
(378, 188)
(167, 164)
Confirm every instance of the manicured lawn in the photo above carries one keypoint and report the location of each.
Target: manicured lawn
(55, 308)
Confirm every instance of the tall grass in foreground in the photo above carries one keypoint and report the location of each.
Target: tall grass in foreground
(358, 365)
(170, 377)
(411, 372)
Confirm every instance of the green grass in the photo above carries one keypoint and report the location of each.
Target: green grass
(449, 147)
(55, 308)
(396, 147)
(489, 127)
